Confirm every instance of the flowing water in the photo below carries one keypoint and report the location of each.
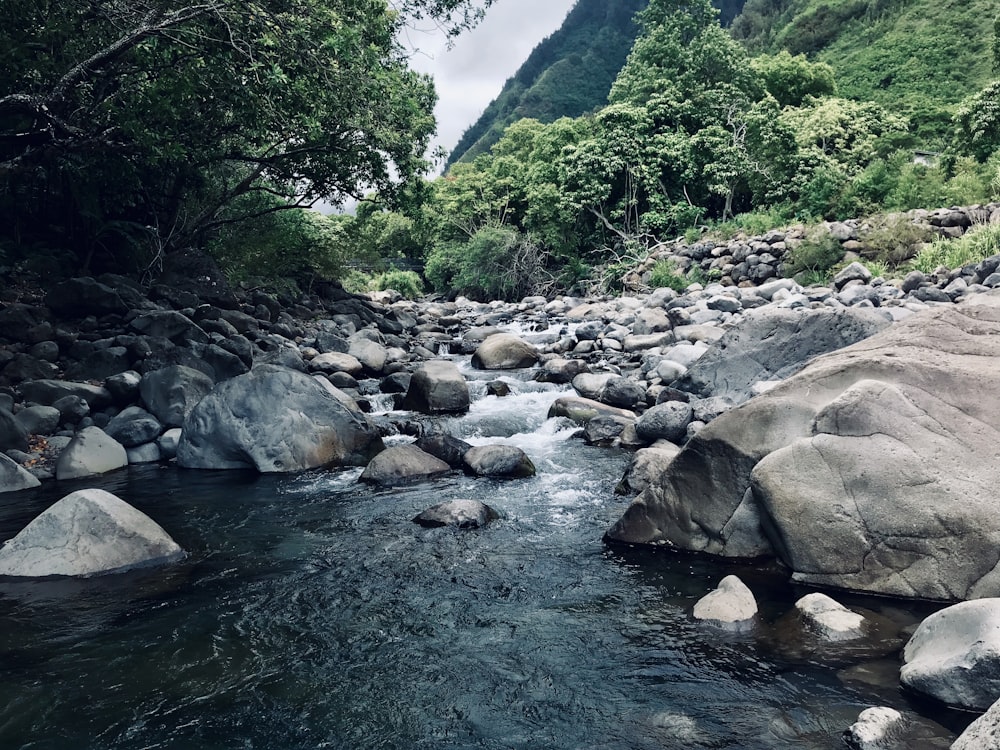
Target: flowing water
(312, 613)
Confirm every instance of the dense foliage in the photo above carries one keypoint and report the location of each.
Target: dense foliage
(129, 129)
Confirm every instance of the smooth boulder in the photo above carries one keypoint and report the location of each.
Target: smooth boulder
(876, 729)
(667, 421)
(87, 533)
(954, 656)
(437, 387)
(732, 603)
(274, 419)
(403, 464)
(15, 477)
(983, 733)
(91, 451)
(504, 351)
(170, 393)
(498, 461)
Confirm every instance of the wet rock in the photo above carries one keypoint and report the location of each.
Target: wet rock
(503, 351)
(498, 388)
(463, 514)
(732, 603)
(167, 443)
(15, 477)
(582, 410)
(829, 619)
(147, 453)
(89, 532)
(449, 449)
(954, 656)
(437, 387)
(403, 464)
(589, 385)
(274, 419)
(172, 392)
(498, 461)
(92, 451)
(622, 392)
(604, 429)
(876, 729)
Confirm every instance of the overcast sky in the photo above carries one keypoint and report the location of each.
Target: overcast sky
(470, 74)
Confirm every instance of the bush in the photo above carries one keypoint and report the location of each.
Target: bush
(895, 240)
(356, 282)
(665, 274)
(976, 245)
(407, 283)
(816, 255)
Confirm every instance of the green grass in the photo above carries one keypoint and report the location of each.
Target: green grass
(976, 245)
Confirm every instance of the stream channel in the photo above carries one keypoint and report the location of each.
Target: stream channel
(312, 613)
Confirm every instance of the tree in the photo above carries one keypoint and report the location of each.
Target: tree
(790, 80)
(151, 118)
(977, 123)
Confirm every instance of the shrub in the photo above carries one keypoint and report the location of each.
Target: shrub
(817, 254)
(407, 283)
(976, 245)
(356, 282)
(665, 274)
(894, 240)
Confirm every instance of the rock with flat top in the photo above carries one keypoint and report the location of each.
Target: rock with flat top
(403, 464)
(504, 351)
(829, 619)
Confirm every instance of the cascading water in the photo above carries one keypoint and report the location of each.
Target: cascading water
(312, 613)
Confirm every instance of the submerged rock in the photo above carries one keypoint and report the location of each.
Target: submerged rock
(464, 514)
(731, 603)
(876, 729)
(403, 464)
(828, 618)
(87, 533)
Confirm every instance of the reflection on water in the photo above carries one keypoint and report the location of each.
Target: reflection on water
(313, 614)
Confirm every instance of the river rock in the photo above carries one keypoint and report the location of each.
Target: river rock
(582, 410)
(463, 514)
(829, 619)
(170, 393)
(667, 421)
(331, 362)
(498, 461)
(12, 433)
(274, 419)
(622, 392)
(47, 392)
(772, 343)
(371, 354)
(403, 464)
(134, 426)
(983, 733)
(604, 429)
(168, 442)
(39, 420)
(448, 448)
(504, 351)
(92, 451)
(646, 464)
(729, 604)
(437, 387)
(954, 655)
(15, 477)
(560, 370)
(876, 729)
(873, 468)
(89, 532)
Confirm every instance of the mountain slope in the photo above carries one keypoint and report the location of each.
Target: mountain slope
(916, 57)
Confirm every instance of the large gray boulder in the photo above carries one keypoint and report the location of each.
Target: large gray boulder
(437, 387)
(772, 343)
(498, 461)
(666, 421)
(462, 514)
(646, 465)
(872, 469)
(134, 426)
(274, 419)
(954, 656)
(91, 451)
(87, 533)
(504, 351)
(983, 733)
(403, 464)
(170, 393)
(15, 477)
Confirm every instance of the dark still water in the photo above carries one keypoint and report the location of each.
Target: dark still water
(312, 613)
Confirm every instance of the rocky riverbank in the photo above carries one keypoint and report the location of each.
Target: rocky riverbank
(847, 431)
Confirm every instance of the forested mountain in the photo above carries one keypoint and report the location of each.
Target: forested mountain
(916, 57)
(568, 74)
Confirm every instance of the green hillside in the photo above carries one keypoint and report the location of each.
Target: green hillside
(567, 74)
(916, 57)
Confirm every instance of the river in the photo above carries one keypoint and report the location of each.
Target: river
(312, 613)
